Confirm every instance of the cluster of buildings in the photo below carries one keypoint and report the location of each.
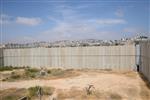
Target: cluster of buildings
(76, 43)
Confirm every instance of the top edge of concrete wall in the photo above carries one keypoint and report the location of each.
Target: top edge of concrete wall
(74, 46)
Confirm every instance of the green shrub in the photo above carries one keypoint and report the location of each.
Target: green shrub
(10, 98)
(5, 79)
(57, 72)
(15, 76)
(32, 75)
(33, 91)
(49, 71)
(31, 72)
(8, 68)
(13, 94)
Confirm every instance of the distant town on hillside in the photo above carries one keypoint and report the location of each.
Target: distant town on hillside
(76, 43)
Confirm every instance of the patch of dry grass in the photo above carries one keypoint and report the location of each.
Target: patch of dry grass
(115, 96)
(61, 73)
(31, 93)
(34, 73)
(77, 94)
(12, 94)
(108, 85)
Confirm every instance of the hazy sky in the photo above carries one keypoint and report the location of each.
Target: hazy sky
(49, 20)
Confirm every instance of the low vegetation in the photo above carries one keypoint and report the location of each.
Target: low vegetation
(34, 91)
(31, 93)
(91, 85)
(12, 94)
(77, 94)
(35, 73)
(9, 68)
(31, 72)
(61, 73)
(13, 76)
(114, 96)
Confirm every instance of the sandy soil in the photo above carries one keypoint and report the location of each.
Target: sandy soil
(129, 86)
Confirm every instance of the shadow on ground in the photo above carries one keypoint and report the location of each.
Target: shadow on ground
(145, 80)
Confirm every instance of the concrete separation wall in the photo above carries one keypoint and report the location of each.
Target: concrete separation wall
(145, 59)
(102, 57)
(1, 57)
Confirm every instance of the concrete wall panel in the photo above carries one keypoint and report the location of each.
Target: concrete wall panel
(103, 57)
(145, 59)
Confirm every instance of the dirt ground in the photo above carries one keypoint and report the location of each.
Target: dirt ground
(108, 85)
